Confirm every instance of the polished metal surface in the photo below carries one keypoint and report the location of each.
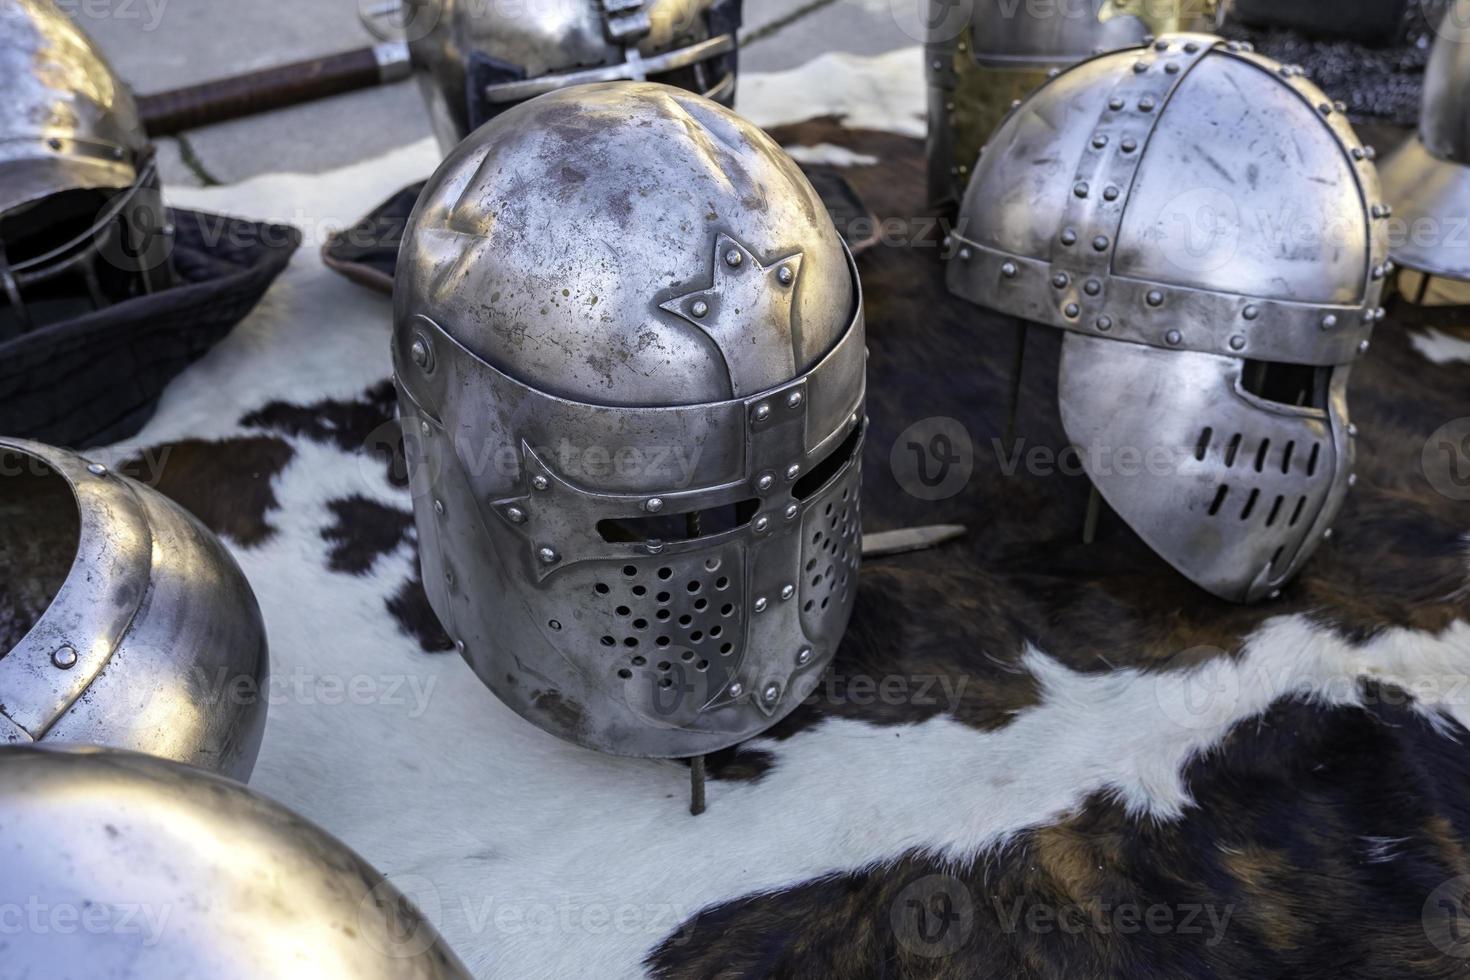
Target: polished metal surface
(474, 58)
(1427, 179)
(1198, 218)
(82, 221)
(129, 867)
(124, 622)
(629, 350)
(982, 55)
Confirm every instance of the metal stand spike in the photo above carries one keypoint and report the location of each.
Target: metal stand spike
(696, 785)
(1094, 511)
(1424, 281)
(1017, 368)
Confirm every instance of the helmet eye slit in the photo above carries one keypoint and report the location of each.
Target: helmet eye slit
(687, 526)
(820, 475)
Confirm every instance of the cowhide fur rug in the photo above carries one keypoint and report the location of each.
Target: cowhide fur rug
(1033, 757)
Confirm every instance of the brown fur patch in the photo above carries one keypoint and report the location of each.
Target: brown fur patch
(224, 483)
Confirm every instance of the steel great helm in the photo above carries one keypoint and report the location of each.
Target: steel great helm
(1207, 229)
(630, 357)
(982, 55)
(476, 58)
(173, 872)
(1428, 178)
(82, 223)
(123, 621)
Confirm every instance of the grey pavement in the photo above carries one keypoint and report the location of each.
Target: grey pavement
(162, 44)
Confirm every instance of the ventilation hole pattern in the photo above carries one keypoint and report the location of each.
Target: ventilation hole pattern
(831, 549)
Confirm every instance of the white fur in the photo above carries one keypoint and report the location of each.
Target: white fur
(539, 859)
(835, 156)
(1439, 346)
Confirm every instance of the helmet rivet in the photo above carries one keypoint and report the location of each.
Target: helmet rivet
(761, 523)
(1008, 270)
(1015, 104)
(1276, 593)
(793, 471)
(459, 646)
(1172, 68)
(965, 255)
(449, 576)
(1370, 152)
(1362, 347)
(1388, 213)
(96, 469)
(803, 656)
(1329, 321)
(1099, 141)
(419, 351)
(1378, 272)
(424, 427)
(1357, 153)
(1115, 103)
(1110, 194)
(65, 658)
(762, 412)
(787, 591)
(1139, 67)
(1237, 342)
(1100, 243)
(548, 556)
(772, 693)
(1147, 103)
(760, 603)
(766, 481)
(1060, 280)
(1233, 47)
(515, 515)
(653, 504)
(1352, 429)
(1327, 534)
(439, 507)
(1174, 337)
(1080, 188)
(793, 400)
(791, 511)
(784, 275)
(1069, 237)
(1250, 312)
(1191, 48)
(733, 258)
(1104, 323)
(1092, 287)
(1154, 298)
(1129, 145)
(1161, 45)
(1072, 311)
(1352, 479)
(1325, 109)
(653, 546)
(540, 482)
(736, 689)
(1376, 210)
(1340, 106)
(700, 308)
(1388, 266)
(54, 143)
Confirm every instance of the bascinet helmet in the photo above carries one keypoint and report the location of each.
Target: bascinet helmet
(629, 350)
(982, 55)
(1207, 229)
(1427, 180)
(123, 621)
(167, 871)
(82, 221)
(476, 58)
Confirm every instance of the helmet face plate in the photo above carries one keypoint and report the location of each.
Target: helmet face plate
(660, 579)
(1213, 306)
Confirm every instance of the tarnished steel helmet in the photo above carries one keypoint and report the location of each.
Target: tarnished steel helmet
(1427, 180)
(476, 58)
(982, 55)
(1207, 229)
(630, 358)
(130, 867)
(82, 223)
(123, 621)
